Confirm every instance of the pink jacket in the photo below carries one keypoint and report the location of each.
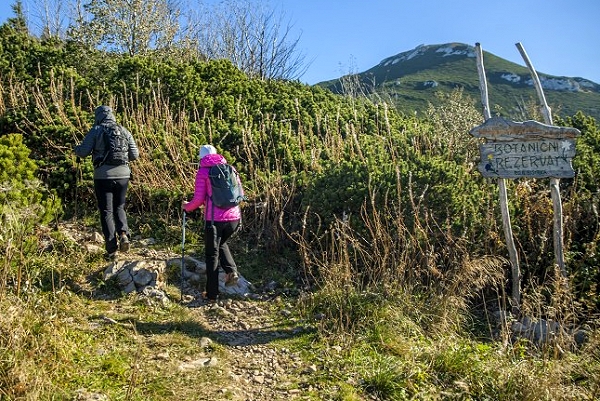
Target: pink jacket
(203, 191)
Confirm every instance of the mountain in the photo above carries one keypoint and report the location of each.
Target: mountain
(411, 80)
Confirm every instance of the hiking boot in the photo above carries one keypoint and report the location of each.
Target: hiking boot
(208, 301)
(124, 243)
(231, 279)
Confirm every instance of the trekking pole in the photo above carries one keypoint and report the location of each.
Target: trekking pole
(182, 252)
(77, 182)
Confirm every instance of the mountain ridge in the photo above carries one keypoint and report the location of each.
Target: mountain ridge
(412, 78)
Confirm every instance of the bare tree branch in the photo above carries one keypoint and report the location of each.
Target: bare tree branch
(254, 38)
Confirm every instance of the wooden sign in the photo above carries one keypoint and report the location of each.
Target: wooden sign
(528, 149)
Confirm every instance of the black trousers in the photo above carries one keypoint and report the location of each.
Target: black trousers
(216, 253)
(111, 195)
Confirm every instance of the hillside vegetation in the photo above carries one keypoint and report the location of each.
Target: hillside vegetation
(382, 237)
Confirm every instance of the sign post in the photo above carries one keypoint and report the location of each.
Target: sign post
(502, 195)
(525, 150)
(554, 181)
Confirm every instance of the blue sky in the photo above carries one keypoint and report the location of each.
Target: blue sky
(561, 37)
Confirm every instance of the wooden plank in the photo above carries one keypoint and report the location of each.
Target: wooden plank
(501, 129)
(564, 148)
(533, 159)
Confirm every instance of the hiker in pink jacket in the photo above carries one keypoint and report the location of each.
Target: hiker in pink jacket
(220, 225)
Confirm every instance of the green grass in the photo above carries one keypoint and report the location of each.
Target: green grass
(363, 345)
(65, 342)
(392, 352)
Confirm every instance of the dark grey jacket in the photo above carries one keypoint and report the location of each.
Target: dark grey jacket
(93, 144)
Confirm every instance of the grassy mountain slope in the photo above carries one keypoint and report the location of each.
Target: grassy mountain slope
(413, 78)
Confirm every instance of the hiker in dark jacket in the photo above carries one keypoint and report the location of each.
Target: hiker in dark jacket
(111, 179)
(226, 223)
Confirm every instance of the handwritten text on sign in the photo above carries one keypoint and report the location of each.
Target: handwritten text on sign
(538, 159)
(525, 149)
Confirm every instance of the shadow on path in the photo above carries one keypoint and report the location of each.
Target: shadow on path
(226, 337)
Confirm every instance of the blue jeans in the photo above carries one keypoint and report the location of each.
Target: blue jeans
(216, 253)
(111, 195)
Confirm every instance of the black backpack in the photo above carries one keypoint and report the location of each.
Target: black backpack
(226, 189)
(116, 146)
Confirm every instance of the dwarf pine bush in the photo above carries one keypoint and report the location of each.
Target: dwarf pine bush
(24, 204)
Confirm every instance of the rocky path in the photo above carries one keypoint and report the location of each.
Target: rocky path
(256, 366)
(249, 325)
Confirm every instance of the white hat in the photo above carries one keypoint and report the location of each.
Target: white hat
(207, 150)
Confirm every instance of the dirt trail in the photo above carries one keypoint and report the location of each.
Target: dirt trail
(257, 367)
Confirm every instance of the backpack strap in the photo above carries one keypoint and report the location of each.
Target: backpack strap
(104, 137)
(209, 197)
